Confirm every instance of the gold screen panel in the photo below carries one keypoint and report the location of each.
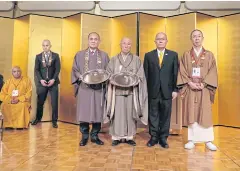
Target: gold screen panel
(123, 26)
(21, 44)
(208, 25)
(149, 26)
(42, 28)
(229, 70)
(178, 29)
(70, 46)
(6, 44)
(99, 24)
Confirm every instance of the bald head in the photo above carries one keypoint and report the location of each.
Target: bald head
(126, 44)
(93, 40)
(161, 40)
(46, 45)
(161, 34)
(16, 72)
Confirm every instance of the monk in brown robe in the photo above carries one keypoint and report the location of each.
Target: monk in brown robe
(198, 80)
(89, 97)
(16, 100)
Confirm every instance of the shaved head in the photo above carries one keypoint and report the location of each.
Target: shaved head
(16, 72)
(126, 44)
(46, 45)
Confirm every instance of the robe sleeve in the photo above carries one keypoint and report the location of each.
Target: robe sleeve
(28, 94)
(142, 94)
(4, 96)
(211, 78)
(75, 75)
(183, 76)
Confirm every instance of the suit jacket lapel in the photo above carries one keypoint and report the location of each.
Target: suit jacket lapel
(155, 58)
(165, 56)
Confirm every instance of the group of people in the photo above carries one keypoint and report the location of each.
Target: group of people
(161, 77)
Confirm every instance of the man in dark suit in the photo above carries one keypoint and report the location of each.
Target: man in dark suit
(47, 68)
(161, 69)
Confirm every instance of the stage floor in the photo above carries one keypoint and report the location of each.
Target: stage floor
(45, 148)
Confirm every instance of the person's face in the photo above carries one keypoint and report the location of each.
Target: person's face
(16, 72)
(93, 41)
(126, 45)
(46, 46)
(197, 38)
(161, 41)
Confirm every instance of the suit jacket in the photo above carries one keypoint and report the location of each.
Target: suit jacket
(162, 78)
(40, 72)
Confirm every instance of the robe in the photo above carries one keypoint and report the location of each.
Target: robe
(89, 107)
(197, 104)
(16, 115)
(125, 106)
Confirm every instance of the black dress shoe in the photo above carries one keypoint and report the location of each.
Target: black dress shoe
(152, 142)
(115, 142)
(131, 142)
(83, 142)
(164, 143)
(97, 141)
(35, 122)
(55, 125)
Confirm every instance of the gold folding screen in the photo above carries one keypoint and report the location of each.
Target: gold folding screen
(229, 68)
(22, 38)
(6, 46)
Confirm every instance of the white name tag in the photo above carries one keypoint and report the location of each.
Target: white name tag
(15, 93)
(196, 72)
(120, 67)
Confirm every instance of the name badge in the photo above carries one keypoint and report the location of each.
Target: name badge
(196, 72)
(15, 93)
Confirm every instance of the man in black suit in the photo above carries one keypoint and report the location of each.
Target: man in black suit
(46, 71)
(161, 69)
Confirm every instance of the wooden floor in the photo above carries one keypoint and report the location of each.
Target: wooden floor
(44, 148)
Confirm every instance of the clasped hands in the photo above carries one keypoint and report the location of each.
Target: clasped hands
(196, 86)
(47, 84)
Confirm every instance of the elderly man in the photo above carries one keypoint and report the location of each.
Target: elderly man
(16, 100)
(89, 97)
(198, 82)
(126, 105)
(161, 69)
(47, 68)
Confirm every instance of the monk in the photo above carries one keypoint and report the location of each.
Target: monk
(198, 81)
(90, 101)
(16, 100)
(125, 106)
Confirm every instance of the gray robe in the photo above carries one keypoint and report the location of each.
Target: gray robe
(89, 107)
(125, 106)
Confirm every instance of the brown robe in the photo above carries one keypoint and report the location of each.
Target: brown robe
(197, 105)
(125, 106)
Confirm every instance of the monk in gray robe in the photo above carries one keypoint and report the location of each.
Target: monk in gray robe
(125, 106)
(90, 101)
(198, 80)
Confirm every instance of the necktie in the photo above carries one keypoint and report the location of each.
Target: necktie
(46, 57)
(92, 53)
(160, 58)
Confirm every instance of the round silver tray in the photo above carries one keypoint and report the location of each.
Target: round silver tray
(124, 79)
(95, 76)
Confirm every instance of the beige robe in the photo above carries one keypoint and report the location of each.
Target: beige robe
(197, 104)
(125, 106)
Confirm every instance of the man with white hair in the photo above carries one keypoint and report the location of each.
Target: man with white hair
(126, 105)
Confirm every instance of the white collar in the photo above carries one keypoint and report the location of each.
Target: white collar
(163, 51)
(198, 52)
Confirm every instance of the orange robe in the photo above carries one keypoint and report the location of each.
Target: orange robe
(197, 103)
(16, 115)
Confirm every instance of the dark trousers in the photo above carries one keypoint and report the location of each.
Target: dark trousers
(41, 98)
(159, 117)
(84, 129)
